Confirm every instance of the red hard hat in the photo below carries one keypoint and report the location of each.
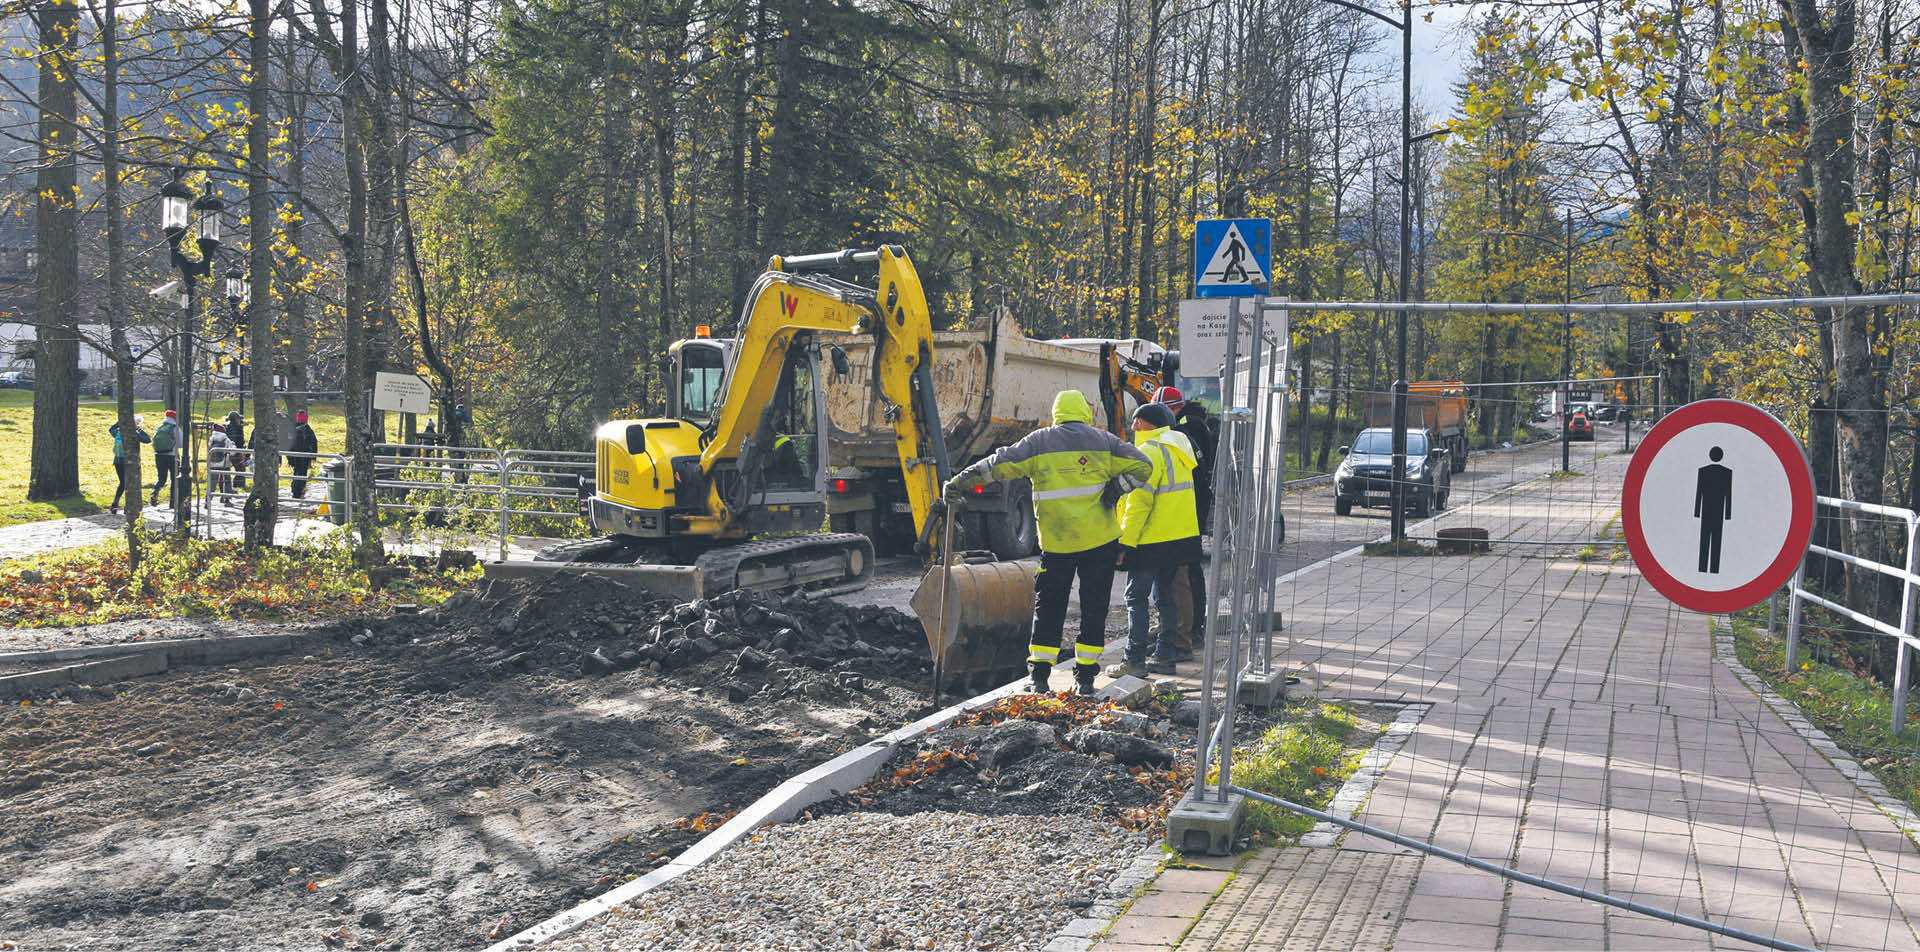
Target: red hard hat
(1171, 396)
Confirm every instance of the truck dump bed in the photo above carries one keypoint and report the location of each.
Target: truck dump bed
(994, 385)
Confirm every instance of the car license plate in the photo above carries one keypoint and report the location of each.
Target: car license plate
(902, 507)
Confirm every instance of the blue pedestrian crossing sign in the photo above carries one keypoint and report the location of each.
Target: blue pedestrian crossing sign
(1232, 257)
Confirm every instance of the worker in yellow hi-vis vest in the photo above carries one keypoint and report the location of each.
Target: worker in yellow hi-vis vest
(1159, 539)
(1077, 471)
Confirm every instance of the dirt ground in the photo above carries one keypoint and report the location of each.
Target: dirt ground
(430, 781)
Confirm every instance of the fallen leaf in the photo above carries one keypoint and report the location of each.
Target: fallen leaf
(499, 930)
(312, 886)
(739, 761)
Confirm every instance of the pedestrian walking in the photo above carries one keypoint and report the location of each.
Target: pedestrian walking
(1159, 538)
(220, 455)
(237, 452)
(166, 442)
(300, 456)
(1076, 470)
(123, 463)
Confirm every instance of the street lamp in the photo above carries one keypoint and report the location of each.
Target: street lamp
(237, 295)
(176, 202)
(174, 197)
(1405, 25)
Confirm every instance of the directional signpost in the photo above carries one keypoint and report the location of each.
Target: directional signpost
(1718, 506)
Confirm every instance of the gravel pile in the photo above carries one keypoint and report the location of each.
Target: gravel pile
(936, 880)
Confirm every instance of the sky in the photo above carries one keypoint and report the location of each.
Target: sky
(1440, 53)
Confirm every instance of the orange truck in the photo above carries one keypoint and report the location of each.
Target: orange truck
(1437, 406)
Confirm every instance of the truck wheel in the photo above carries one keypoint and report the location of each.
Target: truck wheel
(1012, 534)
(1341, 507)
(1459, 455)
(1423, 504)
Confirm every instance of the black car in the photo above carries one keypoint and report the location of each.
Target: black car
(1365, 476)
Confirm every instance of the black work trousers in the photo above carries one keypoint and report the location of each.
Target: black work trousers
(1094, 567)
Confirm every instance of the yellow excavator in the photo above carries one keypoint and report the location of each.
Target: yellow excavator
(728, 491)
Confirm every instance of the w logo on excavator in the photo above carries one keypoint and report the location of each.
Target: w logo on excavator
(789, 304)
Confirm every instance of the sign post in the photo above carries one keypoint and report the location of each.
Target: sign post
(401, 393)
(1232, 257)
(1718, 506)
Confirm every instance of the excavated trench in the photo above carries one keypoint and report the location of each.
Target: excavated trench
(428, 781)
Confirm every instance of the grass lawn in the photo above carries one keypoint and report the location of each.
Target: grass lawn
(219, 579)
(96, 453)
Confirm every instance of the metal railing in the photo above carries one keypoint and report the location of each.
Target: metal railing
(429, 480)
(504, 483)
(1901, 632)
(226, 484)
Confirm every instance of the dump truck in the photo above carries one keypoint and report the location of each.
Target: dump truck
(1438, 406)
(994, 385)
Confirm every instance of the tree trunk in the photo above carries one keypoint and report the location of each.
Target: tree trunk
(55, 466)
(1826, 54)
(298, 334)
(110, 199)
(368, 548)
(263, 498)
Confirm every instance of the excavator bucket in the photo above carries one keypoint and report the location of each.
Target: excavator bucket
(987, 621)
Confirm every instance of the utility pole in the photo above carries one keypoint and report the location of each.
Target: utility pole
(1566, 351)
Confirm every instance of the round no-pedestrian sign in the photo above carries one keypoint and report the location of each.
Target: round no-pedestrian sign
(1718, 505)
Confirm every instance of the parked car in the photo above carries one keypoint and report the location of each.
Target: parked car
(1579, 426)
(17, 379)
(1607, 413)
(1365, 476)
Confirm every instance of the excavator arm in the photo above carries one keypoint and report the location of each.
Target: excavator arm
(794, 298)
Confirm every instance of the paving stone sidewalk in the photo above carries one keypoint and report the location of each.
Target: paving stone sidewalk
(1583, 729)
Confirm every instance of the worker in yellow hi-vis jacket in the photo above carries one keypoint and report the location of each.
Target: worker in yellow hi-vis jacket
(1072, 464)
(1159, 539)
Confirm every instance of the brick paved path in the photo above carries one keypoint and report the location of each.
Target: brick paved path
(1584, 730)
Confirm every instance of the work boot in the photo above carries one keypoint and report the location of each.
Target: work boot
(1039, 682)
(1158, 665)
(1083, 678)
(1123, 669)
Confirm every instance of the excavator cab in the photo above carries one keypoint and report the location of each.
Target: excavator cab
(696, 369)
(696, 373)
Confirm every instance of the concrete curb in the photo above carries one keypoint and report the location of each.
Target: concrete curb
(782, 803)
(1895, 809)
(138, 659)
(1358, 787)
(91, 672)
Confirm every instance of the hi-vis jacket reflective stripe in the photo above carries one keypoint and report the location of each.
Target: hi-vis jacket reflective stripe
(1166, 508)
(1069, 463)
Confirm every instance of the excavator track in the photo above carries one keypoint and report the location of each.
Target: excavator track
(819, 565)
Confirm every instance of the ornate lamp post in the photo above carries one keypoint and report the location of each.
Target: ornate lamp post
(176, 203)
